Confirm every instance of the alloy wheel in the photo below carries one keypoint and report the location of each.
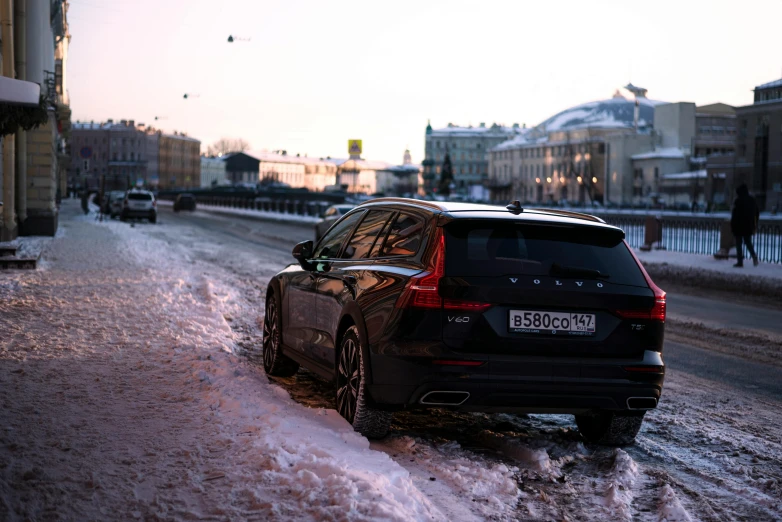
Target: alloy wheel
(348, 380)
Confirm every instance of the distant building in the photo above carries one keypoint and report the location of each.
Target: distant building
(241, 167)
(360, 176)
(689, 137)
(400, 180)
(179, 161)
(212, 172)
(319, 174)
(117, 152)
(758, 160)
(580, 155)
(468, 148)
(278, 167)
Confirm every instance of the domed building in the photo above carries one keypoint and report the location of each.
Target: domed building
(578, 155)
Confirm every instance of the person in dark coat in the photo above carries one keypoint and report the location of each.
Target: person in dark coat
(744, 223)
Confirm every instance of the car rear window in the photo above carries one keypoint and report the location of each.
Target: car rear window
(140, 197)
(404, 237)
(484, 249)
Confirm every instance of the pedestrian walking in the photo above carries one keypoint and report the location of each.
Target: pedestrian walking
(744, 224)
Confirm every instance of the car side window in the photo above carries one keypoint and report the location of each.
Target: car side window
(404, 237)
(365, 235)
(330, 245)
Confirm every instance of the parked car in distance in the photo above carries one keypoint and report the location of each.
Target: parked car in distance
(184, 201)
(114, 201)
(139, 204)
(414, 304)
(330, 216)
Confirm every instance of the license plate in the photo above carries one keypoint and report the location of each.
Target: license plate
(551, 323)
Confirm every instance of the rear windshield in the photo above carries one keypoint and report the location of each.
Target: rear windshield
(140, 197)
(484, 249)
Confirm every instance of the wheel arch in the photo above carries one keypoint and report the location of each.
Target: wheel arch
(352, 316)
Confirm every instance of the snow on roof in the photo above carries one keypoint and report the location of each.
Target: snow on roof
(518, 141)
(181, 137)
(273, 157)
(475, 131)
(665, 153)
(404, 168)
(365, 164)
(695, 174)
(775, 83)
(616, 112)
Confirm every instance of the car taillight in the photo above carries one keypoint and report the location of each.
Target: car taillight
(657, 312)
(422, 291)
(154, 203)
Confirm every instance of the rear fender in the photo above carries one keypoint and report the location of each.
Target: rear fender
(353, 312)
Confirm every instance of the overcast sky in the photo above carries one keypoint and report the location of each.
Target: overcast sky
(315, 74)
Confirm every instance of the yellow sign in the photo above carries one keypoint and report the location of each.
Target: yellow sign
(354, 147)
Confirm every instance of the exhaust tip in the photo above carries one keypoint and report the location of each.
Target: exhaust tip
(445, 398)
(641, 403)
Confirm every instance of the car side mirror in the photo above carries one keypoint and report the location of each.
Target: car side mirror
(302, 252)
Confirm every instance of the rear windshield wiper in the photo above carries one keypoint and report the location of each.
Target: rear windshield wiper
(576, 271)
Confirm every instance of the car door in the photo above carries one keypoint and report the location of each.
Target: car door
(346, 277)
(326, 253)
(299, 329)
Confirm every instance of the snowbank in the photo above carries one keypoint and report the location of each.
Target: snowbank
(310, 463)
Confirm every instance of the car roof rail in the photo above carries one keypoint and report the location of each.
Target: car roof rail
(409, 201)
(567, 213)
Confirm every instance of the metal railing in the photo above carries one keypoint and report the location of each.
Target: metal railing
(698, 234)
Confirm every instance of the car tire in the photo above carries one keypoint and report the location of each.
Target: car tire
(123, 217)
(153, 219)
(275, 363)
(610, 428)
(352, 397)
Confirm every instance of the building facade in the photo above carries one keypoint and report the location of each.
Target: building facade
(578, 156)
(213, 172)
(117, 152)
(758, 159)
(278, 167)
(179, 161)
(34, 37)
(468, 148)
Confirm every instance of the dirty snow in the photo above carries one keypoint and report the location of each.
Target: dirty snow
(130, 389)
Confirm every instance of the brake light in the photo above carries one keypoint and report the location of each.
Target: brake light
(422, 291)
(657, 313)
(154, 203)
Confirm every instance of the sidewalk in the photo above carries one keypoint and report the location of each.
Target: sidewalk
(122, 399)
(708, 263)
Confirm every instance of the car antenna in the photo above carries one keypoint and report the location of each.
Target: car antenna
(515, 207)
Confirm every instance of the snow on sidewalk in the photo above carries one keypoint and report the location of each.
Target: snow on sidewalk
(122, 399)
(708, 263)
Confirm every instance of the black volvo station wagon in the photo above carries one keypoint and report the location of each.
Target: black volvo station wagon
(407, 303)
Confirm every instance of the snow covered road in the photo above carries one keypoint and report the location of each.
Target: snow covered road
(130, 389)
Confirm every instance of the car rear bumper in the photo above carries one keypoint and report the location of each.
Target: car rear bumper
(139, 213)
(566, 386)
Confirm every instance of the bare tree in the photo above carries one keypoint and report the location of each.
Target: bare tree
(227, 146)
